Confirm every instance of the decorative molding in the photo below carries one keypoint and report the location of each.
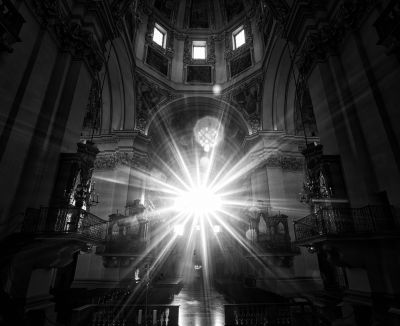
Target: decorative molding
(325, 40)
(187, 52)
(107, 161)
(229, 51)
(247, 98)
(149, 96)
(292, 163)
(73, 38)
(92, 116)
(169, 49)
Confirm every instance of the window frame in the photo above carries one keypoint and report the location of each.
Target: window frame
(199, 44)
(164, 33)
(235, 33)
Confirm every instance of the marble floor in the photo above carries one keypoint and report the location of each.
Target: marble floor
(200, 305)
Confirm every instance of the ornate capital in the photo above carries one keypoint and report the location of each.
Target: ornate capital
(325, 40)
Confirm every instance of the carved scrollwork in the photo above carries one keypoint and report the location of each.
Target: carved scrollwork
(292, 163)
(187, 52)
(229, 51)
(148, 98)
(113, 160)
(326, 39)
(73, 38)
(248, 99)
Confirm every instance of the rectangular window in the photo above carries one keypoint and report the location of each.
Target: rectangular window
(159, 36)
(239, 38)
(199, 50)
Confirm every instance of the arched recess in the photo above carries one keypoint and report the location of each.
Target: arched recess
(211, 105)
(118, 95)
(269, 105)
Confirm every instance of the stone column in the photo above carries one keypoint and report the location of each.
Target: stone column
(331, 114)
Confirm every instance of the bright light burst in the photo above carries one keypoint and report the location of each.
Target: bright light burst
(200, 201)
(205, 198)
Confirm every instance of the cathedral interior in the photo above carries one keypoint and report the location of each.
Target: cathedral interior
(200, 162)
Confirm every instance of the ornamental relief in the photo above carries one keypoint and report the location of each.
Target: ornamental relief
(169, 48)
(247, 98)
(73, 38)
(113, 160)
(326, 40)
(291, 163)
(149, 96)
(229, 52)
(187, 52)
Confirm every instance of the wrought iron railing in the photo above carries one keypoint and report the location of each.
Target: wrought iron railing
(110, 315)
(344, 220)
(70, 220)
(269, 314)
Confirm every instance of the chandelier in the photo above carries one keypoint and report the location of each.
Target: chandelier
(208, 132)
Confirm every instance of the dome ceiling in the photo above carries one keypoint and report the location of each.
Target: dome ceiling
(200, 14)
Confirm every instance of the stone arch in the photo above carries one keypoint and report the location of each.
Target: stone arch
(207, 103)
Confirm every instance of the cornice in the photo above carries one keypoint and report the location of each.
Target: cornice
(218, 34)
(325, 40)
(70, 31)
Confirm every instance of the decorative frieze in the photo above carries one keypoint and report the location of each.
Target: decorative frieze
(292, 163)
(107, 161)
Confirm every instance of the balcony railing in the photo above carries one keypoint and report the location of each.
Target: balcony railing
(64, 221)
(110, 315)
(347, 221)
(269, 314)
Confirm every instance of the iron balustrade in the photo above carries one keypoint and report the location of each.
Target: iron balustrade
(138, 315)
(346, 221)
(69, 220)
(282, 314)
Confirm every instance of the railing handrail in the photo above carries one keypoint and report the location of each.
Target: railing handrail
(340, 220)
(64, 220)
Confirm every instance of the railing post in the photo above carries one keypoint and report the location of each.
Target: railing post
(371, 219)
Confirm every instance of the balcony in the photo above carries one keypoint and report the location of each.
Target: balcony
(125, 315)
(70, 223)
(344, 222)
(270, 314)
